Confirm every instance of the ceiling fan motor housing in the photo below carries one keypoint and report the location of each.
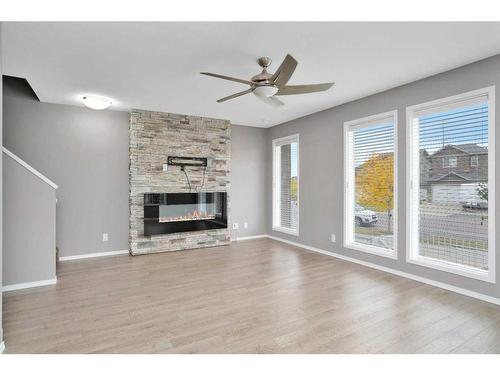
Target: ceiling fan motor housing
(262, 77)
(262, 86)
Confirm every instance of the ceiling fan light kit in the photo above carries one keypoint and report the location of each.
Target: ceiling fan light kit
(267, 86)
(265, 90)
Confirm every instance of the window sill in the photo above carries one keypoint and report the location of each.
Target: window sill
(387, 253)
(442, 265)
(287, 231)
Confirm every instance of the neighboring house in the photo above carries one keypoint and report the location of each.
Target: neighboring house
(453, 173)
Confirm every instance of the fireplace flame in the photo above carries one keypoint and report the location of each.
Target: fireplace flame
(195, 215)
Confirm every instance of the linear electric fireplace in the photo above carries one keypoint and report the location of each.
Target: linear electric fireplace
(184, 212)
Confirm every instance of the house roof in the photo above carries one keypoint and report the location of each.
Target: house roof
(472, 148)
(454, 176)
(468, 148)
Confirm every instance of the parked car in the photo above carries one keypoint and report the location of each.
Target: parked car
(363, 216)
(475, 204)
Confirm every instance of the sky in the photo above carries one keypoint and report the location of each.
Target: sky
(293, 157)
(459, 126)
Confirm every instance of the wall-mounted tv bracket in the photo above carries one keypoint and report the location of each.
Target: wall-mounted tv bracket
(183, 161)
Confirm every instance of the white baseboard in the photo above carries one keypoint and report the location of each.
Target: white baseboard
(33, 284)
(249, 237)
(2, 347)
(452, 288)
(94, 255)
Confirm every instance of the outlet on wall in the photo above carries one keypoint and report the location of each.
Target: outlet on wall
(245, 225)
(333, 238)
(236, 226)
(165, 167)
(105, 237)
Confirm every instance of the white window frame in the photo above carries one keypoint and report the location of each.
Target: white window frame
(447, 164)
(276, 186)
(412, 177)
(476, 161)
(349, 203)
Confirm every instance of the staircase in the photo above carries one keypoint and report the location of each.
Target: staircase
(29, 225)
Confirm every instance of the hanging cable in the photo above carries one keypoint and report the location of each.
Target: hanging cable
(203, 180)
(187, 177)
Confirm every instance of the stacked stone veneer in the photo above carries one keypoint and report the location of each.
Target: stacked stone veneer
(153, 136)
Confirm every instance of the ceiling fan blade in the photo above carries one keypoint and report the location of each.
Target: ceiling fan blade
(244, 81)
(304, 89)
(235, 95)
(284, 72)
(271, 100)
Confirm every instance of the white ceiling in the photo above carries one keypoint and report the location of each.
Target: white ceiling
(156, 66)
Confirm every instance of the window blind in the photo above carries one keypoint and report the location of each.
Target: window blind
(449, 199)
(370, 200)
(286, 205)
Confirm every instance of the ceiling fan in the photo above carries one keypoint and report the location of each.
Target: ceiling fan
(267, 86)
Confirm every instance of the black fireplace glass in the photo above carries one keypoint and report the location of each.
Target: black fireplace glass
(182, 212)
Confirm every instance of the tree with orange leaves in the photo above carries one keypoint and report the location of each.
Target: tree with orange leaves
(375, 184)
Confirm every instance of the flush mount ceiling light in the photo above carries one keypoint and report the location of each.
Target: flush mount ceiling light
(96, 102)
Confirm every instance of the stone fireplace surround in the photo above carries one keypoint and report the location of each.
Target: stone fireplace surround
(153, 136)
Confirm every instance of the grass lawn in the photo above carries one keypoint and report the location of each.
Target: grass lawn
(372, 231)
(454, 242)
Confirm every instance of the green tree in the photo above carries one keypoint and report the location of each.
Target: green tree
(482, 191)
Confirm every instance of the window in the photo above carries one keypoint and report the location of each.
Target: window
(474, 161)
(450, 162)
(451, 211)
(286, 185)
(370, 184)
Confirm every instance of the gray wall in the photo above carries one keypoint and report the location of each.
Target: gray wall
(83, 151)
(248, 180)
(321, 165)
(29, 207)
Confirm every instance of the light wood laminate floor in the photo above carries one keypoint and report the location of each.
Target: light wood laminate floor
(258, 296)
